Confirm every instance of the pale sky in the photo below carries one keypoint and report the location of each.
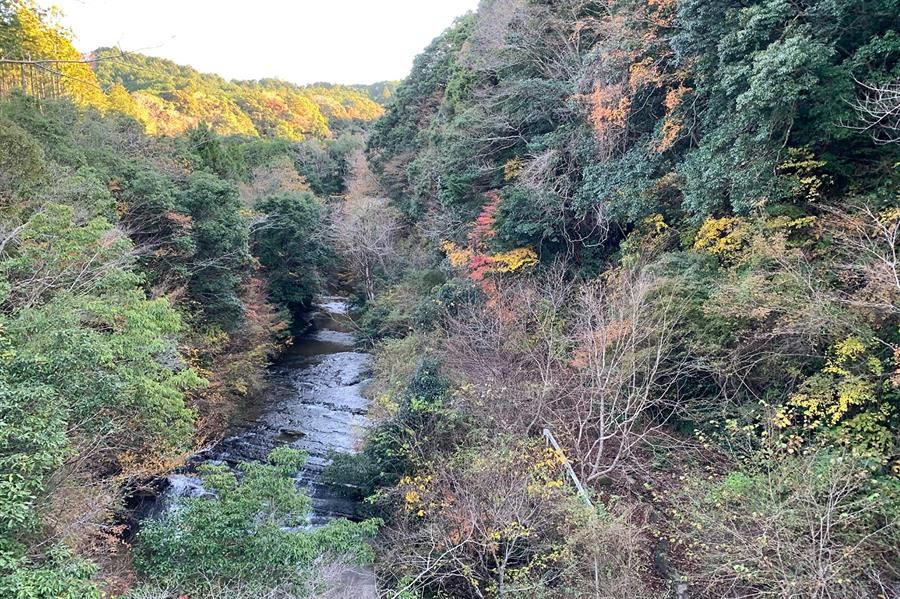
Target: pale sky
(304, 41)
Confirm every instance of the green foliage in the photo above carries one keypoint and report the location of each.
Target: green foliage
(213, 156)
(221, 240)
(629, 185)
(125, 265)
(324, 164)
(721, 147)
(398, 131)
(62, 575)
(86, 345)
(291, 247)
(21, 158)
(749, 81)
(423, 425)
(416, 302)
(247, 531)
(149, 200)
(743, 518)
(524, 221)
(87, 359)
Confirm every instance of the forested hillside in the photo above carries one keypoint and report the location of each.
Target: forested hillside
(667, 233)
(629, 272)
(169, 99)
(146, 281)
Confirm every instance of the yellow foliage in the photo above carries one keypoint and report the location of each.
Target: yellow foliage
(843, 398)
(657, 222)
(804, 169)
(504, 262)
(515, 260)
(851, 348)
(458, 257)
(415, 486)
(725, 238)
(791, 224)
(889, 216)
(511, 169)
(782, 419)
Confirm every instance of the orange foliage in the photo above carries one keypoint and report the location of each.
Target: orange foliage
(670, 130)
(609, 107)
(483, 228)
(643, 73)
(634, 65)
(675, 96)
(476, 260)
(662, 12)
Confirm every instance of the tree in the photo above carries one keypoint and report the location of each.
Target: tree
(490, 521)
(290, 244)
(39, 58)
(91, 382)
(247, 531)
(221, 241)
(816, 526)
(878, 111)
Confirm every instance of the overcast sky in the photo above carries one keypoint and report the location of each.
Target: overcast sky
(304, 41)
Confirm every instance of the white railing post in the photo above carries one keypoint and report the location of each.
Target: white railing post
(551, 440)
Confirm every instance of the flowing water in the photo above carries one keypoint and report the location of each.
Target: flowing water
(314, 403)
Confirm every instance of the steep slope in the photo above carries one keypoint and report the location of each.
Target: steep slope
(665, 232)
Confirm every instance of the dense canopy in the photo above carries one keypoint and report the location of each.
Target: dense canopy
(628, 271)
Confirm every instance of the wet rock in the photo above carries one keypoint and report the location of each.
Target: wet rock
(291, 433)
(315, 403)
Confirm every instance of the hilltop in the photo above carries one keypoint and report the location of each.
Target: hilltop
(170, 98)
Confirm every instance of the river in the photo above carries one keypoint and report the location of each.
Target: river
(315, 403)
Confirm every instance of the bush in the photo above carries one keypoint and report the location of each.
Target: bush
(250, 531)
(61, 575)
(816, 526)
(21, 158)
(503, 520)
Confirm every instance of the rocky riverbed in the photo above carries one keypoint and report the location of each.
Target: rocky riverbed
(314, 403)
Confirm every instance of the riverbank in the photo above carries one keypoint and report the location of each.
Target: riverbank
(314, 403)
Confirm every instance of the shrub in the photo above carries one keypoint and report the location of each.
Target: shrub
(250, 530)
(818, 526)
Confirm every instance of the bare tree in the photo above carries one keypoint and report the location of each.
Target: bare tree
(627, 368)
(366, 228)
(514, 351)
(808, 527)
(878, 111)
(869, 244)
(491, 522)
(596, 363)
